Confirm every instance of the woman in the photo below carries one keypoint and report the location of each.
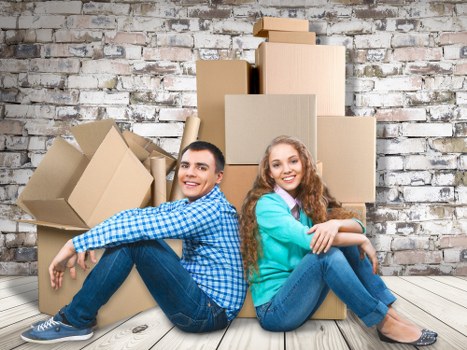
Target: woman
(290, 230)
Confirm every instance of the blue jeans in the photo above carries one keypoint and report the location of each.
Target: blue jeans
(177, 294)
(341, 270)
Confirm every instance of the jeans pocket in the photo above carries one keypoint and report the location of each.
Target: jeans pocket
(188, 324)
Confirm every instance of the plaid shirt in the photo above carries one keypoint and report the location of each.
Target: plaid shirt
(211, 247)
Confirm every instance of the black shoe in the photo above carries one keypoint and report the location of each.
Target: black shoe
(425, 339)
(433, 333)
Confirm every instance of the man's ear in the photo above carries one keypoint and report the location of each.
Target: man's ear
(219, 175)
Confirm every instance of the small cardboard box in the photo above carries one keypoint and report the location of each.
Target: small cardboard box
(347, 148)
(82, 188)
(266, 24)
(253, 121)
(308, 38)
(358, 208)
(214, 80)
(304, 69)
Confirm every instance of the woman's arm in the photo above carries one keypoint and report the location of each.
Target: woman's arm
(326, 232)
(345, 239)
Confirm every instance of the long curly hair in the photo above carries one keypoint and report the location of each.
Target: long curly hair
(311, 192)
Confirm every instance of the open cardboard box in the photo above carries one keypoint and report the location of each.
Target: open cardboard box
(72, 191)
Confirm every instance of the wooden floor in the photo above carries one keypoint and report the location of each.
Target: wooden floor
(438, 303)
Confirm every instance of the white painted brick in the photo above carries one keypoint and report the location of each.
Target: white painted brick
(52, 65)
(105, 66)
(7, 225)
(41, 22)
(177, 54)
(452, 52)
(390, 163)
(373, 41)
(387, 130)
(463, 162)
(403, 83)
(400, 146)
(180, 83)
(189, 99)
(232, 27)
(175, 39)
(417, 54)
(117, 113)
(461, 98)
(139, 82)
(104, 98)
(461, 113)
(371, 99)
(29, 111)
(349, 27)
(421, 162)
(428, 194)
(171, 145)
(38, 35)
(158, 129)
(407, 178)
(46, 127)
(441, 112)
(78, 112)
(438, 227)
(439, 24)
(8, 22)
(158, 9)
(387, 195)
(444, 179)
(82, 82)
(176, 114)
(364, 112)
(426, 129)
(140, 24)
(101, 8)
(15, 176)
(246, 42)
(212, 41)
(410, 40)
(41, 80)
(59, 7)
(452, 255)
(338, 40)
(461, 195)
(444, 83)
(461, 213)
(401, 114)
(9, 81)
(36, 158)
(91, 22)
(382, 242)
(37, 143)
(143, 112)
(49, 96)
(16, 143)
(77, 36)
(359, 84)
(14, 66)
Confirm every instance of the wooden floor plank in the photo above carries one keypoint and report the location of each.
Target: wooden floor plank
(443, 290)
(316, 335)
(448, 338)
(17, 281)
(18, 299)
(451, 281)
(246, 333)
(443, 309)
(462, 277)
(175, 339)
(18, 313)
(7, 278)
(8, 292)
(361, 337)
(10, 335)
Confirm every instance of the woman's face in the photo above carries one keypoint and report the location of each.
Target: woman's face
(286, 167)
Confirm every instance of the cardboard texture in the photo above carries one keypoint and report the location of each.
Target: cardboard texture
(214, 80)
(332, 308)
(130, 298)
(308, 38)
(304, 69)
(266, 24)
(237, 181)
(252, 121)
(358, 208)
(82, 189)
(145, 149)
(347, 148)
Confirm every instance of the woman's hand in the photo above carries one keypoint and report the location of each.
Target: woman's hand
(324, 236)
(367, 248)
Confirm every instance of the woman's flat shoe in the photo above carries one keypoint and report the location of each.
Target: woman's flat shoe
(430, 332)
(425, 339)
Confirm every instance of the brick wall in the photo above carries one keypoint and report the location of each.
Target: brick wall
(67, 62)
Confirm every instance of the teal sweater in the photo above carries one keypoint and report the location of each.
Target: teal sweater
(284, 243)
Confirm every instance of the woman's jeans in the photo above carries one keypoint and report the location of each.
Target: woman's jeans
(341, 270)
(177, 294)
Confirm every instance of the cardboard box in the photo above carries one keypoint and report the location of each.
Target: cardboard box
(358, 208)
(131, 298)
(332, 308)
(304, 69)
(308, 38)
(214, 80)
(266, 24)
(347, 148)
(237, 181)
(82, 188)
(252, 121)
(144, 149)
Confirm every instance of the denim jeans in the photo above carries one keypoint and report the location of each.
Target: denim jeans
(342, 271)
(177, 294)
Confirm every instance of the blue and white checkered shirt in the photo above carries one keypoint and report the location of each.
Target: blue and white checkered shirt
(211, 246)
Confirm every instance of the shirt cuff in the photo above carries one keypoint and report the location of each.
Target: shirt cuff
(361, 224)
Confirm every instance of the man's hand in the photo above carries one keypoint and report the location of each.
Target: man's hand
(324, 236)
(67, 258)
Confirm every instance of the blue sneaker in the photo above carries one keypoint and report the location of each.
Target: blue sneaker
(54, 331)
(37, 323)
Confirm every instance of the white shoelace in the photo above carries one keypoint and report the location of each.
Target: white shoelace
(47, 324)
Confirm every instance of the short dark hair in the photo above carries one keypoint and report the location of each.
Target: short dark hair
(215, 151)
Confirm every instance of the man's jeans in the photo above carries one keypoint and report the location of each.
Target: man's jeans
(177, 294)
(340, 269)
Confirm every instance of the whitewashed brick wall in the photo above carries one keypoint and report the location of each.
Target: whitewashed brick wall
(69, 62)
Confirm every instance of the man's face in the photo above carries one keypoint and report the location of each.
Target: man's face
(197, 174)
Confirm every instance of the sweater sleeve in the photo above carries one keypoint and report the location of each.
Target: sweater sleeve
(275, 219)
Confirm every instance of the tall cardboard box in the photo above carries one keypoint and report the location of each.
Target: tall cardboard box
(237, 181)
(304, 69)
(73, 190)
(308, 38)
(347, 148)
(252, 121)
(214, 80)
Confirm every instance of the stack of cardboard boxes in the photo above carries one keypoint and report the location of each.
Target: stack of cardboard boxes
(302, 94)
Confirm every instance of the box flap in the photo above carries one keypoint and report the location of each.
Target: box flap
(56, 175)
(146, 144)
(265, 24)
(96, 195)
(55, 211)
(58, 226)
(91, 135)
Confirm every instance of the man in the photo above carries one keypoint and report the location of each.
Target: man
(203, 291)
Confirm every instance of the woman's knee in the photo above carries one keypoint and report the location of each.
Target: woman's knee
(334, 256)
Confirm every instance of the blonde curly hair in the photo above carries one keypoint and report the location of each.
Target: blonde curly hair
(311, 192)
